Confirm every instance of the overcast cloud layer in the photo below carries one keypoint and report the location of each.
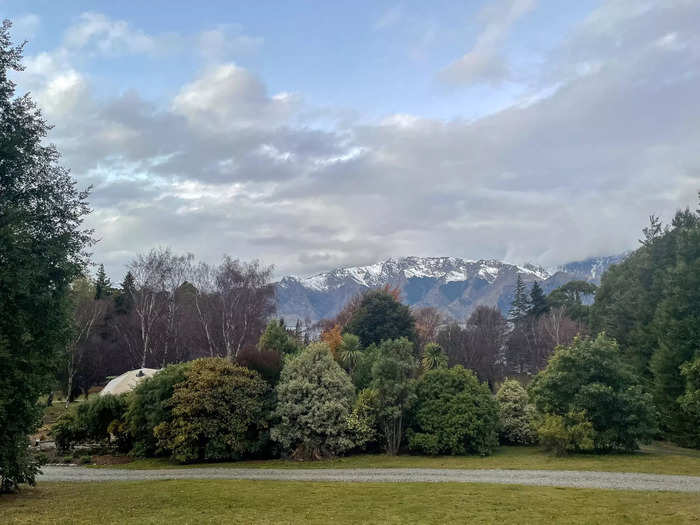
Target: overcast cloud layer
(606, 132)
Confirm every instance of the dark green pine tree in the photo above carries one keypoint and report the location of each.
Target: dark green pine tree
(103, 286)
(520, 306)
(538, 300)
(123, 300)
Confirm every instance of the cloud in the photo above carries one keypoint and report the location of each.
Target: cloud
(230, 96)
(104, 35)
(486, 61)
(226, 166)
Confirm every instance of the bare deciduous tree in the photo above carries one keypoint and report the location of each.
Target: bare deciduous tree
(150, 272)
(87, 311)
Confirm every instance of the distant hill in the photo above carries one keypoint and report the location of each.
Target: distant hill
(453, 285)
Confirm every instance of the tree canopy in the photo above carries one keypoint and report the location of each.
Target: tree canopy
(42, 250)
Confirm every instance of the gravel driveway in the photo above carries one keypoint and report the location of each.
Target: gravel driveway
(550, 478)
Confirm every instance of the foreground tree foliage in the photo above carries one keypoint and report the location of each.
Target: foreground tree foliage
(650, 303)
(588, 379)
(453, 414)
(219, 412)
(41, 253)
(314, 401)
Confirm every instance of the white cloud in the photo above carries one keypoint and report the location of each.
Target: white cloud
(486, 62)
(229, 96)
(228, 167)
(101, 34)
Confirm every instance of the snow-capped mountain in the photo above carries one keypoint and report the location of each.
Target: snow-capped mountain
(453, 285)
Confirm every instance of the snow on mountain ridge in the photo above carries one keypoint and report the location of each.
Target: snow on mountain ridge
(448, 269)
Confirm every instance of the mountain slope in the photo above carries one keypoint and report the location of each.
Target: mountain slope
(455, 286)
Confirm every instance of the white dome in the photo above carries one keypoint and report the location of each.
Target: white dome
(127, 381)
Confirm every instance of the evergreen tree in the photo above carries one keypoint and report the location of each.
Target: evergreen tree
(278, 339)
(103, 286)
(651, 303)
(42, 246)
(538, 300)
(124, 298)
(520, 306)
(379, 317)
(299, 332)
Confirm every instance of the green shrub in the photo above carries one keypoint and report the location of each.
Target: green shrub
(67, 459)
(515, 414)
(362, 422)
(563, 434)
(314, 402)
(393, 377)
(88, 421)
(96, 414)
(688, 433)
(149, 406)
(219, 412)
(85, 460)
(454, 414)
(590, 377)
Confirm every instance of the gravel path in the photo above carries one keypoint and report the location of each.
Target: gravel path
(551, 478)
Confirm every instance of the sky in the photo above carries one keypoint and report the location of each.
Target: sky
(311, 135)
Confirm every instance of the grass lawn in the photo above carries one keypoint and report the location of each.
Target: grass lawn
(253, 502)
(660, 458)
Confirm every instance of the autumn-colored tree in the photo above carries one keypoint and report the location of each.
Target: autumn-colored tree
(333, 338)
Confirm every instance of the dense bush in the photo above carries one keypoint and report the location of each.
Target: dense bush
(362, 422)
(690, 404)
(393, 377)
(454, 414)
(569, 433)
(516, 426)
(219, 412)
(314, 402)
(89, 421)
(590, 377)
(149, 406)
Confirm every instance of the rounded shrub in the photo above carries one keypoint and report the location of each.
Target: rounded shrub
(515, 414)
(454, 414)
(149, 406)
(219, 412)
(314, 401)
(589, 379)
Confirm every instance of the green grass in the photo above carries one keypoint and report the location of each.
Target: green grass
(660, 458)
(257, 502)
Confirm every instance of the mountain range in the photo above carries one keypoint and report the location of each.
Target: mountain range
(453, 285)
